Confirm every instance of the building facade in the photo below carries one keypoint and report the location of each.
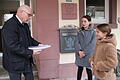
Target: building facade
(51, 16)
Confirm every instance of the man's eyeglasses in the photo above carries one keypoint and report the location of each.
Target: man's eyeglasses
(30, 15)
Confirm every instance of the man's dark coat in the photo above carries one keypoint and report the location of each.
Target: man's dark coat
(16, 40)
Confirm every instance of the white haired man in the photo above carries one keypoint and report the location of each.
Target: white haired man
(17, 58)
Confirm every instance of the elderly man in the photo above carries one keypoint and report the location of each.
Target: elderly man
(17, 58)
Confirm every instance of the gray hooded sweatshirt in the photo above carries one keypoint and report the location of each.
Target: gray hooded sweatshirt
(85, 41)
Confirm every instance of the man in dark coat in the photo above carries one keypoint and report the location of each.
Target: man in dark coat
(17, 58)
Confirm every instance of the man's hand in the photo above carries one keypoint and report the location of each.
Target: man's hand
(40, 45)
(37, 51)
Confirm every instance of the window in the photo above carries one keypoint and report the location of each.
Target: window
(98, 10)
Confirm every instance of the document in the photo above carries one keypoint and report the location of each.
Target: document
(39, 47)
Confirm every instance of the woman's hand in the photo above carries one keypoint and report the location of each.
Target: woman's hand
(91, 63)
(82, 54)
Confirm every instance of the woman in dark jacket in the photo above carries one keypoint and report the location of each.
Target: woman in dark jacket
(85, 45)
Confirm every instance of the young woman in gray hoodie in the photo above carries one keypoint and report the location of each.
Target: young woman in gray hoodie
(85, 46)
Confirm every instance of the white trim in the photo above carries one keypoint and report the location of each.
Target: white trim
(67, 58)
(107, 10)
(85, 6)
(1, 54)
(22, 2)
(1, 27)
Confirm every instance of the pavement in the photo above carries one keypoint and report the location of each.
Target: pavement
(4, 75)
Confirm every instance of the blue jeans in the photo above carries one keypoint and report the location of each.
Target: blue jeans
(17, 76)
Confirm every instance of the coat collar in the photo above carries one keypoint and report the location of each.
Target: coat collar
(109, 39)
(81, 30)
(17, 20)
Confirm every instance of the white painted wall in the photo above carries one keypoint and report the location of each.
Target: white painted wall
(69, 57)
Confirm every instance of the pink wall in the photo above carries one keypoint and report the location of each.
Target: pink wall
(46, 32)
(46, 25)
(67, 71)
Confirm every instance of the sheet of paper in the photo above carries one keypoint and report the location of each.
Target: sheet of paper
(39, 47)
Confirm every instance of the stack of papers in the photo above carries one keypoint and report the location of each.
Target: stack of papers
(39, 47)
